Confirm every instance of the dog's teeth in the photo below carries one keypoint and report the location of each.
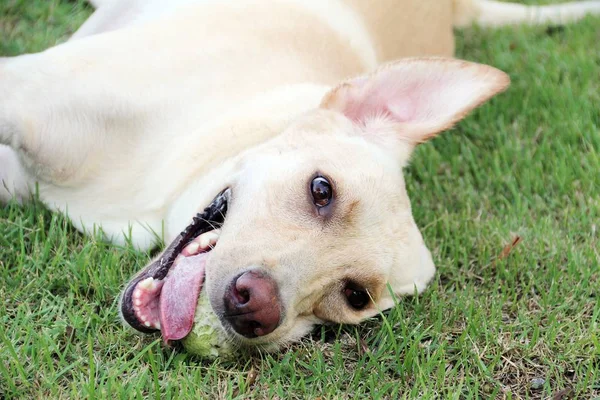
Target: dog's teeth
(208, 239)
(146, 283)
(191, 249)
(148, 324)
(137, 302)
(201, 243)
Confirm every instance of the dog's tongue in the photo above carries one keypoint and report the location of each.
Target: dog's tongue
(179, 296)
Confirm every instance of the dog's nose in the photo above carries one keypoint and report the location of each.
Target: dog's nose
(252, 305)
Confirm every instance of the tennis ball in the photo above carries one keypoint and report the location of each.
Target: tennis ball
(207, 338)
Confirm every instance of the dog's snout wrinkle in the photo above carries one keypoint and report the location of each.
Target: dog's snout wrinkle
(252, 305)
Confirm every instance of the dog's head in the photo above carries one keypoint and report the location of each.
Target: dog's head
(316, 223)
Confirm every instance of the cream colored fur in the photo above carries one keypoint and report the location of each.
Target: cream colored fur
(153, 107)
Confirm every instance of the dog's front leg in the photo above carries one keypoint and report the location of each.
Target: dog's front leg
(60, 111)
(15, 182)
(93, 121)
(72, 120)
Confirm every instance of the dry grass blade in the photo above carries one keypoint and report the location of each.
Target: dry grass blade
(509, 247)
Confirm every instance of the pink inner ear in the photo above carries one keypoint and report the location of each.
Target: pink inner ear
(364, 101)
(402, 109)
(425, 96)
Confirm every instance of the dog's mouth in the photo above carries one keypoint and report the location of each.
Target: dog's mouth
(164, 294)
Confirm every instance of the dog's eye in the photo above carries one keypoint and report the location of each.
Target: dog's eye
(358, 299)
(321, 191)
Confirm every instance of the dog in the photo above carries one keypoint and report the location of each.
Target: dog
(264, 139)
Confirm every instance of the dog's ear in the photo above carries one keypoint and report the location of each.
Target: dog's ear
(417, 98)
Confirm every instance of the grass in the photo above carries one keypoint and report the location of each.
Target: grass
(496, 320)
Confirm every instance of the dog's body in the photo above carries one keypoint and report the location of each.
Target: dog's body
(154, 107)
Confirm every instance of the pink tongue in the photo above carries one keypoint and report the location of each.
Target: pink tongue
(179, 297)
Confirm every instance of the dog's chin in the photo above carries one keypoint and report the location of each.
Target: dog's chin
(164, 295)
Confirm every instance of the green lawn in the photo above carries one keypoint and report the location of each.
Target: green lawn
(495, 320)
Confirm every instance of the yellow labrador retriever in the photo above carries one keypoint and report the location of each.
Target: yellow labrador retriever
(265, 139)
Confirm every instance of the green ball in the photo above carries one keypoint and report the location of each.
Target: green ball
(207, 338)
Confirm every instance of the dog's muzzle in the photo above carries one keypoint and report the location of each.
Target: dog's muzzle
(146, 287)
